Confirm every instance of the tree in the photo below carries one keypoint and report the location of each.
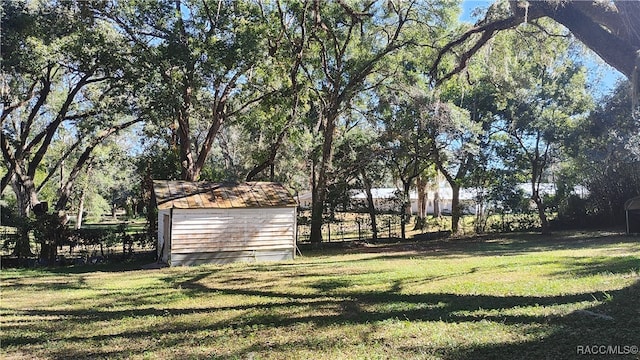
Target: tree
(203, 61)
(405, 115)
(347, 44)
(610, 28)
(604, 156)
(360, 165)
(539, 100)
(109, 163)
(476, 94)
(454, 142)
(278, 116)
(64, 69)
(66, 77)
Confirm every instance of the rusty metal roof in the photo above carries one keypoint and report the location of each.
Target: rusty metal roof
(208, 195)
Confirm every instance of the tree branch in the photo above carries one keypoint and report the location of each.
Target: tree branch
(65, 191)
(57, 165)
(614, 36)
(610, 47)
(486, 32)
(10, 161)
(8, 109)
(45, 136)
(25, 126)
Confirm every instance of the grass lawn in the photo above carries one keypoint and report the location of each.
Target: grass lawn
(496, 297)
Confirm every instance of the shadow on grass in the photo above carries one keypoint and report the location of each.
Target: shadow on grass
(588, 266)
(56, 284)
(573, 333)
(565, 333)
(487, 245)
(340, 303)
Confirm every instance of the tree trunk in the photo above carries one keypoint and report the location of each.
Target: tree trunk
(423, 198)
(455, 208)
(544, 222)
(80, 210)
(22, 248)
(481, 219)
(187, 163)
(317, 208)
(26, 198)
(405, 215)
(537, 166)
(436, 203)
(321, 184)
(371, 207)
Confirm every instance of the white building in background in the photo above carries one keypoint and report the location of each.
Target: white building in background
(387, 199)
(550, 189)
(304, 200)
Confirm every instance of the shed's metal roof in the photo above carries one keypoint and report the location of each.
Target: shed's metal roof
(208, 195)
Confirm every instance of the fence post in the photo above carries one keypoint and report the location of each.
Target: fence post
(359, 233)
(389, 226)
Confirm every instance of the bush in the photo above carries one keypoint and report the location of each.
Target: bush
(514, 222)
(50, 231)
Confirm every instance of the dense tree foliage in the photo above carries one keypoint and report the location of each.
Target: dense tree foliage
(604, 152)
(67, 73)
(610, 28)
(101, 97)
(203, 62)
(406, 115)
(538, 103)
(348, 44)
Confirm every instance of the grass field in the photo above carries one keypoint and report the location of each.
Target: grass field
(498, 297)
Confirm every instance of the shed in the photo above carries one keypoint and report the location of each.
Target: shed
(632, 213)
(205, 222)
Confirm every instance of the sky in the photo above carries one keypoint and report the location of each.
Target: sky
(602, 76)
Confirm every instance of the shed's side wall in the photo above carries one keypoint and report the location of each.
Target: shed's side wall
(164, 257)
(201, 236)
(633, 221)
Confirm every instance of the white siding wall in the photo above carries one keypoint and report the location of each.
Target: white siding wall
(226, 235)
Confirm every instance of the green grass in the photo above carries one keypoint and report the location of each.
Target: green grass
(513, 296)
